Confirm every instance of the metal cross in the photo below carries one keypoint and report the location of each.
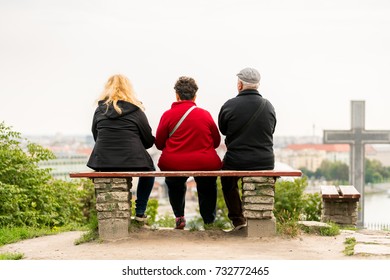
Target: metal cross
(357, 137)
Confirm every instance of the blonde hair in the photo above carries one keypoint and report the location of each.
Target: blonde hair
(118, 87)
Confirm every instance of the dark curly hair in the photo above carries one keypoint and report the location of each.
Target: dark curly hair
(186, 87)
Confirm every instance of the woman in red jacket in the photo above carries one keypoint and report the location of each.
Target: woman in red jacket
(189, 143)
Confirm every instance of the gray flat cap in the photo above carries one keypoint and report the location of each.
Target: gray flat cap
(249, 75)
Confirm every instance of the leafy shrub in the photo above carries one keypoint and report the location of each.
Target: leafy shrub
(152, 210)
(289, 203)
(312, 207)
(29, 195)
(166, 221)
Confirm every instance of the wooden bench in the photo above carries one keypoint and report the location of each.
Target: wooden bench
(340, 205)
(113, 197)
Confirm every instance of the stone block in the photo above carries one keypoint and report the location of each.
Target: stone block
(123, 206)
(252, 214)
(113, 229)
(113, 214)
(102, 186)
(268, 214)
(261, 228)
(120, 187)
(269, 180)
(249, 193)
(106, 207)
(258, 206)
(249, 186)
(258, 199)
(119, 180)
(102, 180)
(265, 191)
(112, 206)
(262, 215)
(112, 197)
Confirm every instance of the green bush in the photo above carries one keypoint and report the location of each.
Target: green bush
(152, 210)
(312, 207)
(292, 204)
(289, 203)
(167, 220)
(29, 195)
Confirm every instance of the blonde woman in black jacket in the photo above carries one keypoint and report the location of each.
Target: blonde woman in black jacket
(122, 134)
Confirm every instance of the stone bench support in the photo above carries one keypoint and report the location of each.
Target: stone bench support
(258, 205)
(340, 205)
(113, 198)
(113, 206)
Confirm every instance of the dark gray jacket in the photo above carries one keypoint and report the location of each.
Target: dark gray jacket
(252, 149)
(121, 140)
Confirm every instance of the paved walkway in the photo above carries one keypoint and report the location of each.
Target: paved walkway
(371, 242)
(146, 244)
(368, 242)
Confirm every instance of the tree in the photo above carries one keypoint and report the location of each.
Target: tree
(333, 171)
(375, 172)
(308, 173)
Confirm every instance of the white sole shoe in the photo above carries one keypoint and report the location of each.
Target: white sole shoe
(141, 219)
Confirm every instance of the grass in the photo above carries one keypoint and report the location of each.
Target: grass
(349, 246)
(11, 256)
(288, 228)
(92, 233)
(293, 229)
(89, 236)
(332, 230)
(10, 235)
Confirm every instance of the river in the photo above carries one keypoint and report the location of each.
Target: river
(377, 205)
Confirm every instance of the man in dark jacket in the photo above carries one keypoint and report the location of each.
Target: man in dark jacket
(248, 121)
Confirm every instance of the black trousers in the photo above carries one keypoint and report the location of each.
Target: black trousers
(233, 201)
(207, 196)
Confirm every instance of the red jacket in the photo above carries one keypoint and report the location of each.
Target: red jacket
(192, 146)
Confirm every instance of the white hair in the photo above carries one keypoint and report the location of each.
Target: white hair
(247, 85)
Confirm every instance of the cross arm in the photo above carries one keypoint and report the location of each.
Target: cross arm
(338, 136)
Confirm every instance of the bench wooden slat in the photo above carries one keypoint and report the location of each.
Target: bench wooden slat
(340, 192)
(329, 192)
(349, 192)
(240, 173)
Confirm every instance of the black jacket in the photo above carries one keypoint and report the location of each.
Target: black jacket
(121, 140)
(252, 149)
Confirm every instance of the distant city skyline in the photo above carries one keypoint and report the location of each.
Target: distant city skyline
(314, 58)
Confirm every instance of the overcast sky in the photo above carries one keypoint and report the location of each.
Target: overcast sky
(314, 58)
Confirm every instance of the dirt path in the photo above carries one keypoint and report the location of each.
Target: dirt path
(184, 245)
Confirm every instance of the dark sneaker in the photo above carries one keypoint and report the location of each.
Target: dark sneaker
(180, 223)
(238, 229)
(240, 226)
(142, 218)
